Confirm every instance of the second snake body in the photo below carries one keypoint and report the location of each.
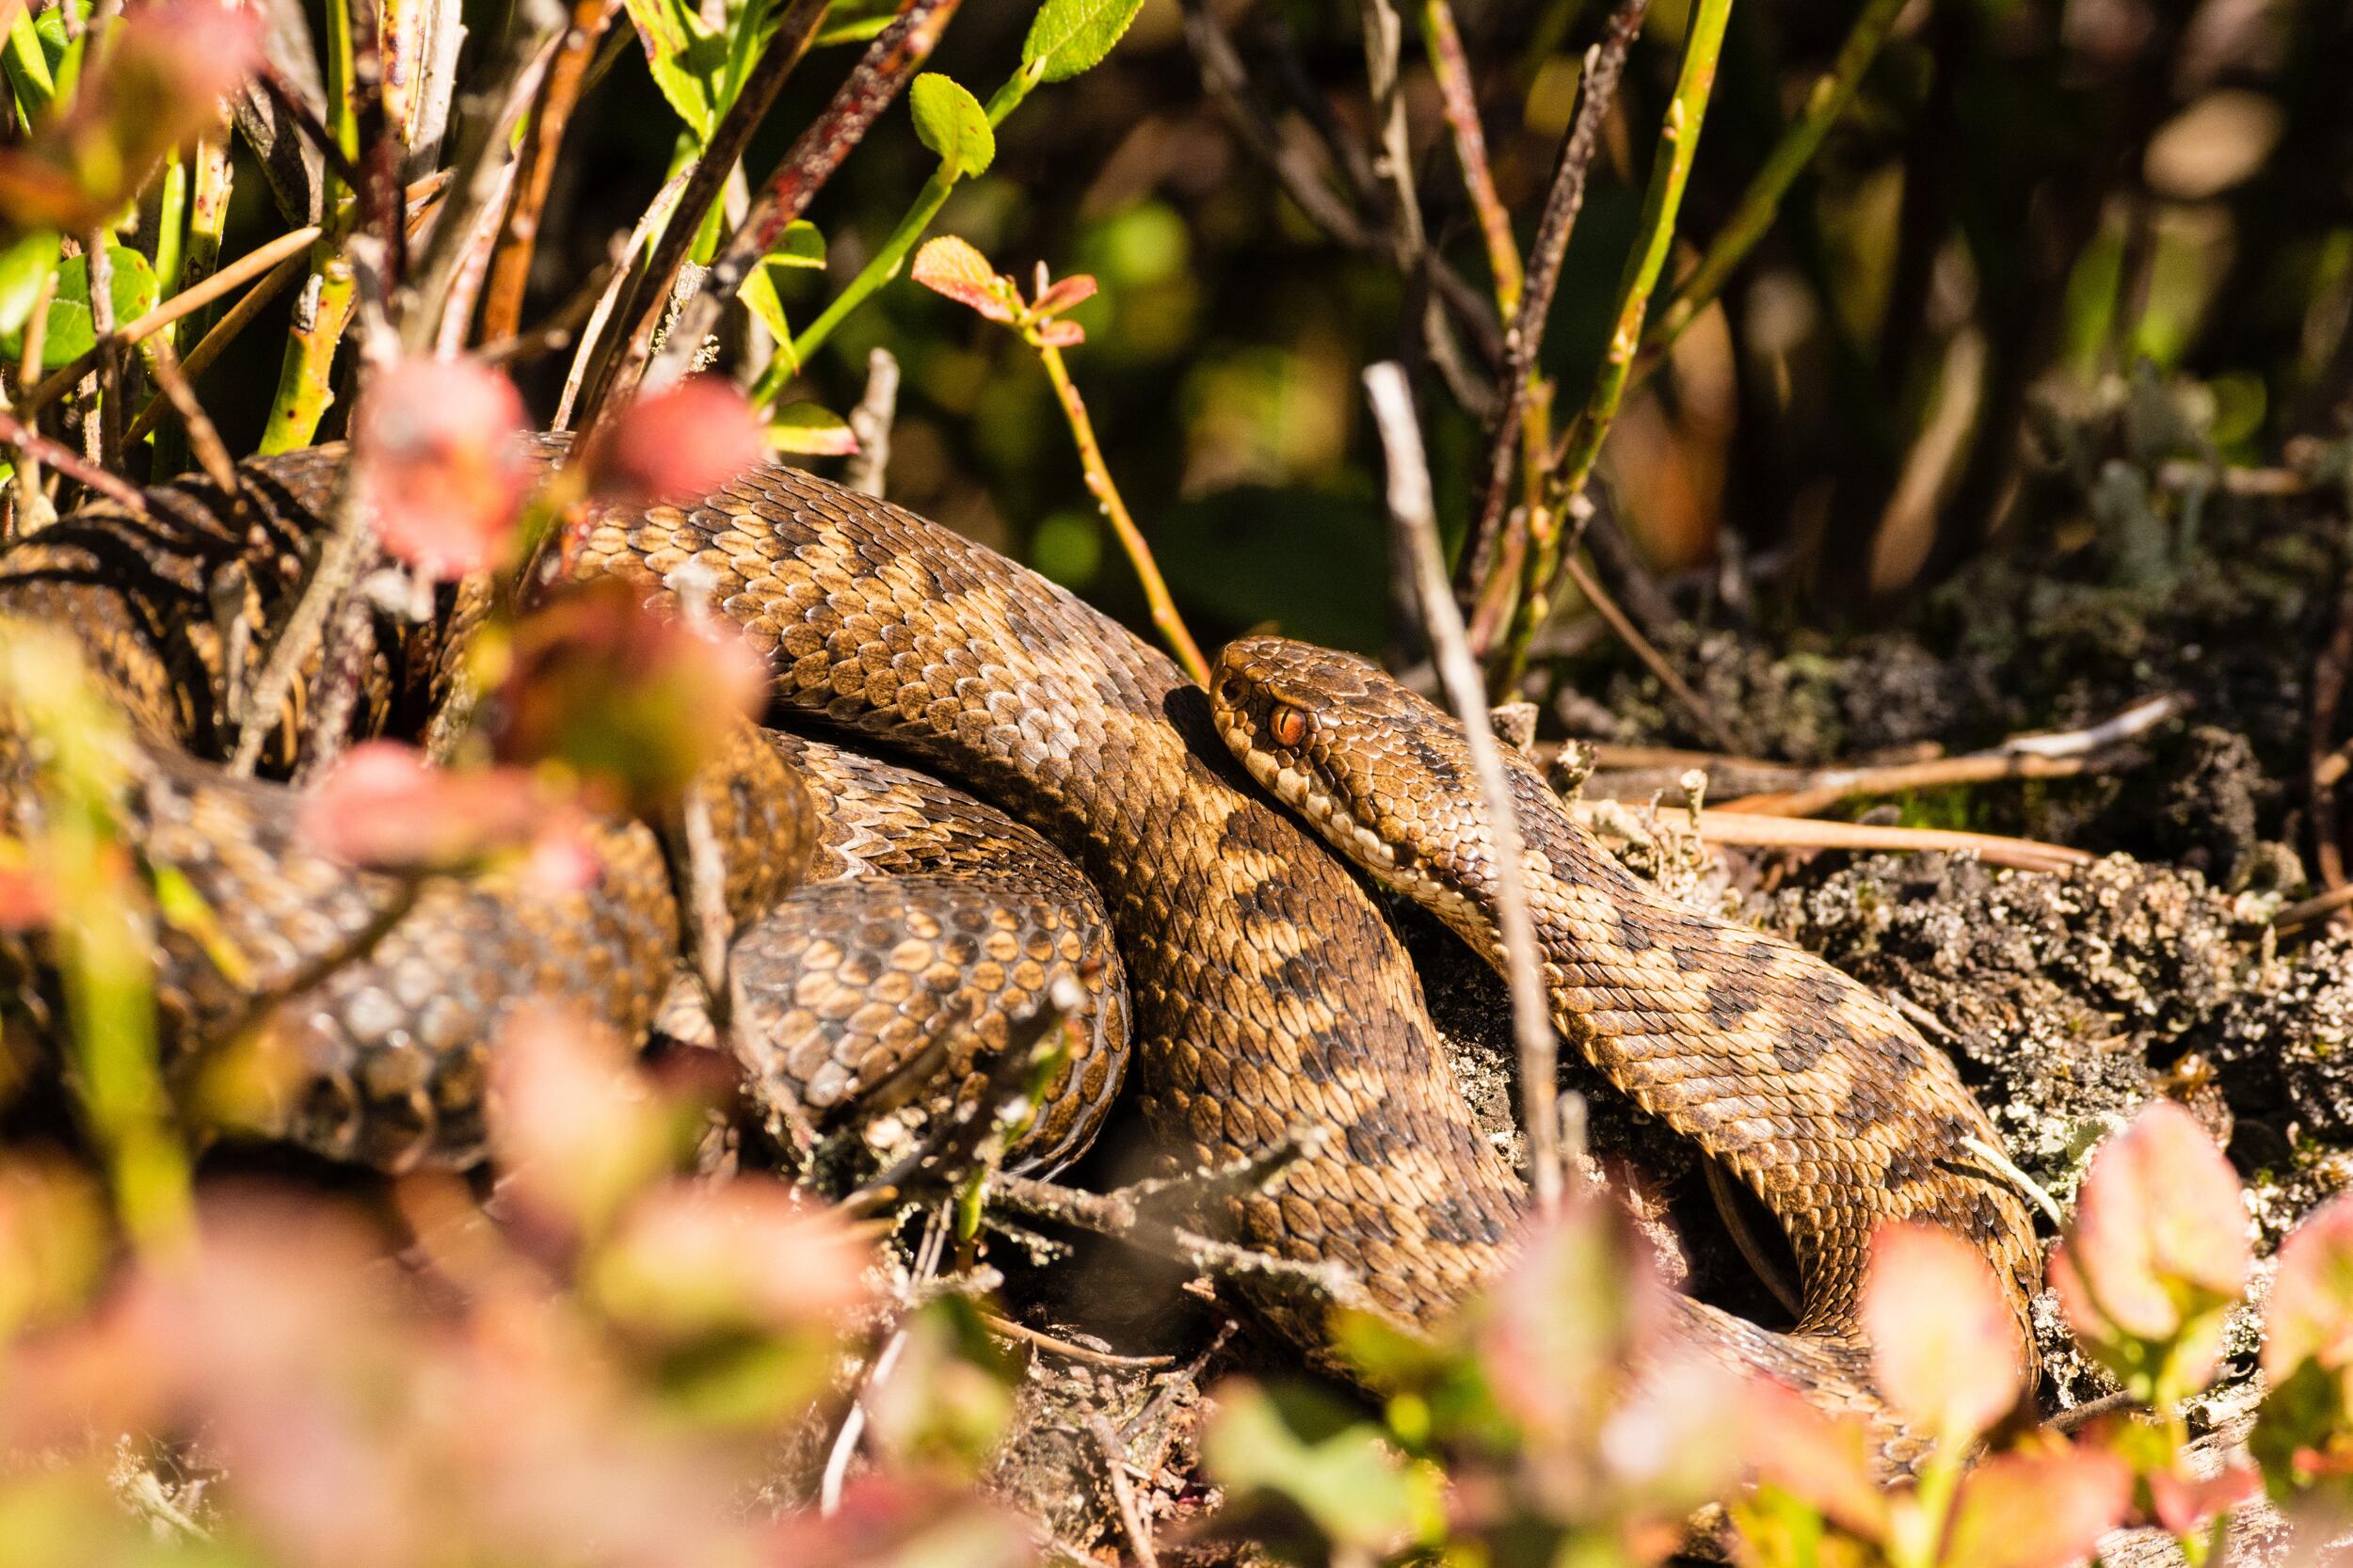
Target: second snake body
(1268, 995)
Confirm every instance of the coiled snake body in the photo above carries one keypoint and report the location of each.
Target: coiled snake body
(1268, 992)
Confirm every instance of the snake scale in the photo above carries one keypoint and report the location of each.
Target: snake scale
(1268, 992)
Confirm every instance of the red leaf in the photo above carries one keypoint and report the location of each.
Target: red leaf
(1822, 1461)
(2311, 1315)
(2185, 1503)
(2037, 1510)
(26, 901)
(628, 699)
(1061, 334)
(748, 1254)
(383, 807)
(1944, 1345)
(680, 444)
(443, 465)
(2159, 1241)
(1064, 293)
(577, 1129)
(952, 266)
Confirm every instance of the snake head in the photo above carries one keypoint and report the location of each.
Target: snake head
(1380, 774)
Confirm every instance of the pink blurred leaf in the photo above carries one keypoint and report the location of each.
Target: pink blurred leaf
(2185, 1503)
(440, 454)
(679, 443)
(1821, 1461)
(1060, 334)
(691, 1257)
(25, 900)
(1064, 293)
(570, 1121)
(2310, 1313)
(2038, 1509)
(156, 86)
(1557, 1332)
(2157, 1252)
(949, 265)
(383, 807)
(894, 1522)
(630, 699)
(1944, 1345)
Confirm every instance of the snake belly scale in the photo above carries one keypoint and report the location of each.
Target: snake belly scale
(1268, 995)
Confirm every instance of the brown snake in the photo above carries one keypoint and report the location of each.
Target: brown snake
(1268, 990)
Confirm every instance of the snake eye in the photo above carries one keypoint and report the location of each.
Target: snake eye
(1288, 725)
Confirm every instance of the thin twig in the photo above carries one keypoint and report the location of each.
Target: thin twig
(1605, 64)
(224, 330)
(478, 170)
(1414, 516)
(559, 91)
(1123, 1493)
(1006, 1328)
(1627, 633)
(1106, 492)
(292, 104)
(558, 330)
(1451, 67)
(17, 433)
(1754, 832)
(98, 256)
(609, 297)
(2327, 905)
(889, 64)
(870, 421)
(2064, 754)
(33, 509)
(203, 440)
(927, 1256)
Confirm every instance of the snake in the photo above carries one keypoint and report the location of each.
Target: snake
(923, 675)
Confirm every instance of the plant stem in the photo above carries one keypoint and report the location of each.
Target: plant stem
(559, 91)
(1825, 102)
(305, 375)
(1670, 172)
(1451, 67)
(1107, 497)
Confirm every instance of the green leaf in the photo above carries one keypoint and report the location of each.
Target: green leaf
(687, 60)
(70, 334)
(810, 431)
(951, 124)
(23, 266)
(855, 20)
(1355, 1488)
(1071, 36)
(802, 246)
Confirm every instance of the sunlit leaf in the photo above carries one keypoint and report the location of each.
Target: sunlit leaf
(684, 57)
(2185, 1503)
(697, 1258)
(951, 121)
(1823, 1462)
(24, 267)
(1071, 36)
(1063, 294)
(810, 430)
(1945, 1344)
(949, 265)
(571, 1123)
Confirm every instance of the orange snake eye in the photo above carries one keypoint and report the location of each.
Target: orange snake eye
(1288, 725)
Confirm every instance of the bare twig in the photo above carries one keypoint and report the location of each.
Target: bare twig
(19, 434)
(558, 332)
(33, 510)
(1123, 1493)
(99, 257)
(224, 330)
(297, 111)
(1451, 68)
(889, 62)
(1754, 832)
(870, 421)
(1642, 648)
(559, 91)
(1006, 1328)
(608, 300)
(203, 440)
(927, 1256)
(1107, 497)
(1415, 521)
(2324, 906)
(1605, 63)
(2058, 756)
(479, 168)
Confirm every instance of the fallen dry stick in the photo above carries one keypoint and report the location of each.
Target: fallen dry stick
(1755, 832)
